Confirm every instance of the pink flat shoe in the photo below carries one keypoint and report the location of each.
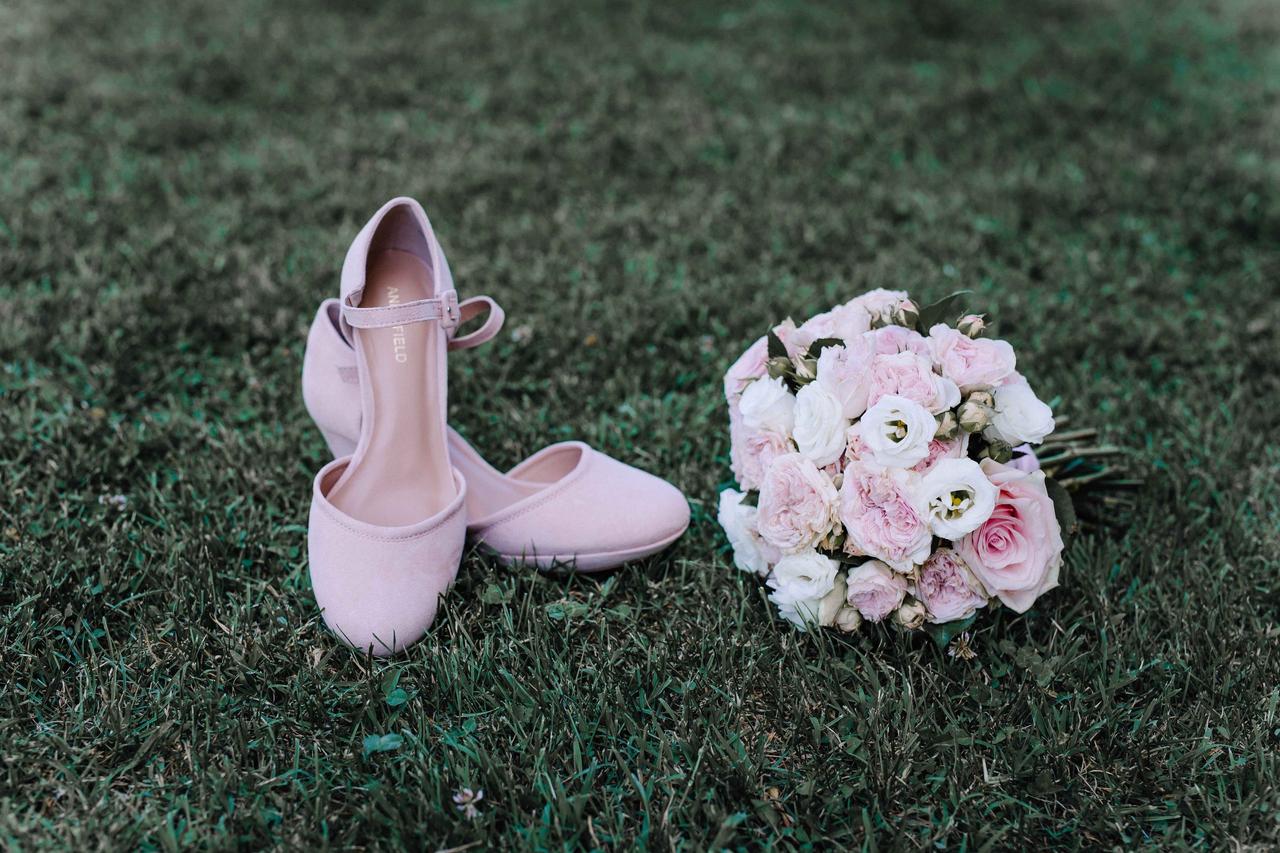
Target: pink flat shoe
(567, 503)
(388, 521)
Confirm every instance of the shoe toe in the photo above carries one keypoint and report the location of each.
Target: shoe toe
(379, 587)
(601, 516)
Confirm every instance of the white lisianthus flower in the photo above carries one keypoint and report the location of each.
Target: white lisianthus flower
(897, 431)
(1020, 416)
(820, 429)
(801, 612)
(958, 497)
(750, 552)
(801, 584)
(767, 404)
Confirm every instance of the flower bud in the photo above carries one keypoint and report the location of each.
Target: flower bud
(974, 417)
(905, 313)
(982, 398)
(848, 619)
(972, 325)
(779, 366)
(947, 426)
(997, 450)
(910, 615)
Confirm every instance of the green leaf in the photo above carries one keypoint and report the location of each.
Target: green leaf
(1063, 507)
(939, 311)
(562, 610)
(751, 498)
(381, 743)
(390, 681)
(397, 697)
(776, 348)
(495, 594)
(816, 348)
(946, 632)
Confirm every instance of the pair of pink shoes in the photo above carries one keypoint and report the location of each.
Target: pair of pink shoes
(390, 515)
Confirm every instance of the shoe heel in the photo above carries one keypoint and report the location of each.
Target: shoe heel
(339, 445)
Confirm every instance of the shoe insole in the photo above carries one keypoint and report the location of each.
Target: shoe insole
(400, 473)
(489, 490)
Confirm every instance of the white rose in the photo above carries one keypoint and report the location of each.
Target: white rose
(821, 430)
(897, 431)
(804, 575)
(845, 371)
(831, 604)
(1020, 417)
(739, 523)
(958, 497)
(848, 619)
(948, 395)
(767, 405)
(911, 615)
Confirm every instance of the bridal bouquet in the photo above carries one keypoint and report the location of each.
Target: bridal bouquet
(886, 469)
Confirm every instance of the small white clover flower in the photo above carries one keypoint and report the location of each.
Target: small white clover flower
(465, 801)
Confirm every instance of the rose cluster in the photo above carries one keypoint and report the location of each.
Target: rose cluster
(885, 468)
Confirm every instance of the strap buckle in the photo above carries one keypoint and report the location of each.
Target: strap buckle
(450, 313)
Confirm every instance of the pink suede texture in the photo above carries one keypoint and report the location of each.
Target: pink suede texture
(599, 514)
(602, 513)
(378, 587)
(353, 266)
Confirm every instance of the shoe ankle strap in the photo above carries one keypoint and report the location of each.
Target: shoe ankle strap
(443, 308)
(469, 310)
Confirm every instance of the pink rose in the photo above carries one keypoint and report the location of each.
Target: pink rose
(909, 375)
(954, 448)
(751, 451)
(855, 451)
(750, 365)
(845, 322)
(845, 372)
(874, 302)
(948, 589)
(892, 340)
(875, 590)
(797, 504)
(968, 362)
(882, 516)
(1017, 552)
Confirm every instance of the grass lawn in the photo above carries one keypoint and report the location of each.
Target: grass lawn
(645, 187)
